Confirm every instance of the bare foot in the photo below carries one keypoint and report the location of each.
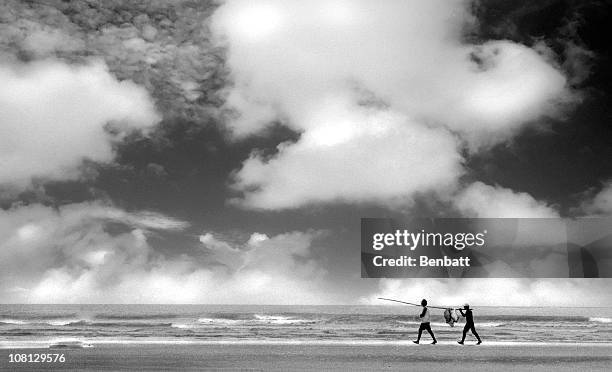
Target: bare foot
(460, 342)
(416, 342)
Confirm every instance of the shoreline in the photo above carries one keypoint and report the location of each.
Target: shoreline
(29, 344)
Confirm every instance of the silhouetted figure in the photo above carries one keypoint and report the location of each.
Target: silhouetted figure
(469, 324)
(425, 325)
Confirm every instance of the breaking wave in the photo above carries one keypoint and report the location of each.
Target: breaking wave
(277, 319)
(601, 320)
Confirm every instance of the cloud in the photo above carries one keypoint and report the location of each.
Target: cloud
(495, 292)
(600, 203)
(54, 116)
(163, 46)
(354, 155)
(37, 241)
(278, 269)
(95, 253)
(385, 96)
(274, 270)
(485, 201)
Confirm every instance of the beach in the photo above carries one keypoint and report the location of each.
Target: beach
(263, 338)
(266, 357)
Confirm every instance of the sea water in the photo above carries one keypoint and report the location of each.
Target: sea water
(47, 325)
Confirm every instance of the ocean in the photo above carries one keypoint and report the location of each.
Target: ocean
(88, 325)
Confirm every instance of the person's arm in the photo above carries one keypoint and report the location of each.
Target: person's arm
(423, 313)
(462, 314)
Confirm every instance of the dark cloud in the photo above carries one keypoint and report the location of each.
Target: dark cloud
(163, 46)
(562, 158)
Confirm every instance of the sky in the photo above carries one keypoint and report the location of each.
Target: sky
(225, 151)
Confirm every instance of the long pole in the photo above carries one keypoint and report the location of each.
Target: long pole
(410, 303)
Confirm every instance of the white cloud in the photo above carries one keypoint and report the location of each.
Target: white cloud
(352, 155)
(36, 241)
(494, 292)
(374, 88)
(485, 201)
(278, 269)
(70, 255)
(53, 116)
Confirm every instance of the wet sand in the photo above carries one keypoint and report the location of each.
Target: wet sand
(134, 357)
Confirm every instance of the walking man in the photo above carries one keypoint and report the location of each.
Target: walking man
(469, 324)
(425, 323)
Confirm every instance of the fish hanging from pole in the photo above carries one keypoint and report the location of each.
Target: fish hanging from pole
(450, 314)
(451, 317)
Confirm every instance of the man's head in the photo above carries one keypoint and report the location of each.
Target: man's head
(466, 306)
(423, 302)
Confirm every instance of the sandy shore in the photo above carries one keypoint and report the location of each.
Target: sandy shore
(324, 357)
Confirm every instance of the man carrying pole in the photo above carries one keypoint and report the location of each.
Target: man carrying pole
(469, 324)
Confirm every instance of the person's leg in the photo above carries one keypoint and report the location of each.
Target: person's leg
(431, 333)
(420, 333)
(465, 329)
(473, 329)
